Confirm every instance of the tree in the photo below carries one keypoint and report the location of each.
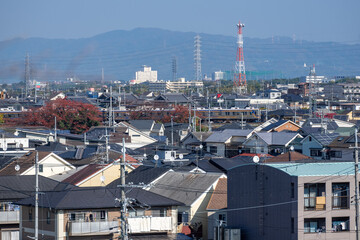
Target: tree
(70, 115)
(180, 115)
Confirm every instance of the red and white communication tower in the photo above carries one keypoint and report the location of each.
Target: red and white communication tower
(239, 74)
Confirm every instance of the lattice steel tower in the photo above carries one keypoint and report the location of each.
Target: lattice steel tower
(27, 76)
(239, 73)
(197, 58)
(174, 68)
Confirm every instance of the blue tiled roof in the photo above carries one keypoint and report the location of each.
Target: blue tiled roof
(316, 169)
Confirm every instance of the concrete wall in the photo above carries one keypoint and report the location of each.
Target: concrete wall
(328, 213)
(252, 186)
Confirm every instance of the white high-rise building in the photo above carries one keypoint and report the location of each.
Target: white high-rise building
(146, 75)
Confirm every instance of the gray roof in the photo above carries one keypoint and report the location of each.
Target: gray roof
(277, 138)
(184, 187)
(141, 174)
(325, 138)
(142, 125)
(97, 198)
(16, 187)
(226, 134)
(173, 97)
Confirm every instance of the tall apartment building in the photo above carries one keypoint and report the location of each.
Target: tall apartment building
(146, 75)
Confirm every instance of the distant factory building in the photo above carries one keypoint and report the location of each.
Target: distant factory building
(218, 75)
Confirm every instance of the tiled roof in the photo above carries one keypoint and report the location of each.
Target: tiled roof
(277, 138)
(274, 125)
(286, 157)
(184, 187)
(83, 173)
(18, 187)
(25, 162)
(226, 134)
(218, 199)
(97, 198)
(142, 125)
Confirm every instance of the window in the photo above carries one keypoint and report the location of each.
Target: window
(292, 225)
(30, 214)
(336, 154)
(222, 217)
(213, 149)
(314, 225)
(77, 216)
(340, 224)
(292, 190)
(340, 195)
(48, 215)
(41, 168)
(183, 217)
(315, 153)
(310, 139)
(314, 196)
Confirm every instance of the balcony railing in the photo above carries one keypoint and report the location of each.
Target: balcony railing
(9, 217)
(93, 228)
(340, 202)
(314, 203)
(149, 224)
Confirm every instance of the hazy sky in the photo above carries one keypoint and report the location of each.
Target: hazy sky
(317, 20)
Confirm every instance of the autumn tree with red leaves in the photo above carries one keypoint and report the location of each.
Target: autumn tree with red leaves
(70, 115)
(180, 115)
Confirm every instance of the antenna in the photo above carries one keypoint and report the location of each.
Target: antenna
(239, 74)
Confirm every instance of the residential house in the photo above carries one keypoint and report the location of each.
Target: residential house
(192, 189)
(289, 156)
(13, 189)
(149, 127)
(49, 164)
(315, 145)
(341, 148)
(273, 143)
(292, 201)
(93, 213)
(228, 142)
(282, 125)
(195, 139)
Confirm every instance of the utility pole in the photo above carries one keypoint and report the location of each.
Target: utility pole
(110, 108)
(172, 131)
(107, 145)
(55, 134)
(356, 185)
(36, 237)
(124, 235)
(209, 130)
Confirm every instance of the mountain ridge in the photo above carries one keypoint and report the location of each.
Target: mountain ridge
(122, 52)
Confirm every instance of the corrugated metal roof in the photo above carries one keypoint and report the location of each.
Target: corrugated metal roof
(316, 169)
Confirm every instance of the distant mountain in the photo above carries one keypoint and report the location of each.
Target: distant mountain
(122, 53)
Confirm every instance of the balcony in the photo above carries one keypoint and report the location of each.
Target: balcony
(315, 203)
(93, 228)
(9, 217)
(149, 224)
(340, 202)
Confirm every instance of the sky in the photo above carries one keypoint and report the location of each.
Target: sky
(313, 20)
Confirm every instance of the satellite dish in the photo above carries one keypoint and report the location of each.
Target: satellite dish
(292, 148)
(108, 147)
(181, 156)
(156, 157)
(102, 178)
(145, 155)
(201, 146)
(17, 167)
(256, 159)
(123, 150)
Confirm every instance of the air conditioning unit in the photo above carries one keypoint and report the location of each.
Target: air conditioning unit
(232, 234)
